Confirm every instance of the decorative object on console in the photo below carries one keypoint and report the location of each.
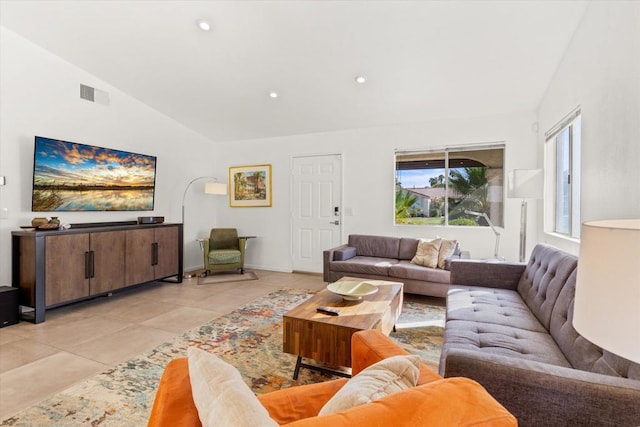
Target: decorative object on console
(150, 219)
(496, 232)
(609, 279)
(250, 186)
(35, 222)
(524, 184)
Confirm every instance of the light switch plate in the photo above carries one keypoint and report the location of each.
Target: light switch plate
(2, 180)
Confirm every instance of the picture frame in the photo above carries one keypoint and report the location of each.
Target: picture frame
(250, 186)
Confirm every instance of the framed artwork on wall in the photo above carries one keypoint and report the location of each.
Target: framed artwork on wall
(250, 186)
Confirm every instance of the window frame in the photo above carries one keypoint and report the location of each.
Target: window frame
(444, 155)
(571, 127)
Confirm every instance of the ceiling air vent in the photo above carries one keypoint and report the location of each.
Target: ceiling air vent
(94, 95)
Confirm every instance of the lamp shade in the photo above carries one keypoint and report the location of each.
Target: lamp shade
(607, 302)
(215, 188)
(525, 184)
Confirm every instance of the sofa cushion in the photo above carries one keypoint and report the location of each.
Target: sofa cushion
(381, 379)
(489, 305)
(408, 247)
(364, 265)
(224, 256)
(375, 246)
(427, 253)
(447, 249)
(221, 395)
(543, 278)
(406, 270)
(504, 340)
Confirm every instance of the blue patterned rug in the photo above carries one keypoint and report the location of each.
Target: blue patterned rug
(249, 338)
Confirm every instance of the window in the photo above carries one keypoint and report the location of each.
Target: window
(442, 187)
(563, 168)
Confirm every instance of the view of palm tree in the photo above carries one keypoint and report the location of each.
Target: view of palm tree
(468, 190)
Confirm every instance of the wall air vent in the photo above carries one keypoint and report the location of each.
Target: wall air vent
(94, 95)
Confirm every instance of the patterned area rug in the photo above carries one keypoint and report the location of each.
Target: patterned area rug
(250, 338)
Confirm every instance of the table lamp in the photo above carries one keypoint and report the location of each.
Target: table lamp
(524, 184)
(607, 301)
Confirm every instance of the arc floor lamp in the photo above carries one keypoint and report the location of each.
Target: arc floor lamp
(215, 187)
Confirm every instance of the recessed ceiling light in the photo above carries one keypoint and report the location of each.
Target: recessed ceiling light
(203, 25)
(273, 94)
(360, 79)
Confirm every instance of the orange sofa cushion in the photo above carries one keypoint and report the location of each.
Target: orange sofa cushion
(448, 402)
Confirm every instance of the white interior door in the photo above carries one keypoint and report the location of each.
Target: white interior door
(316, 209)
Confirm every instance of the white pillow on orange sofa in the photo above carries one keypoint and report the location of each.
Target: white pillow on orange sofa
(220, 394)
(381, 379)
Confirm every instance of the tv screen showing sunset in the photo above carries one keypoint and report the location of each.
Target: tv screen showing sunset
(76, 177)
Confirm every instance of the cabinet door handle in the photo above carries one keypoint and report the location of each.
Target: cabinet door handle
(93, 264)
(87, 267)
(154, 253)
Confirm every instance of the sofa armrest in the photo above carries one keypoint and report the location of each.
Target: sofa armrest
(371, 346)
(295, 403)
(328, 256)
(541, 394)
(173, 404)
(504, 275)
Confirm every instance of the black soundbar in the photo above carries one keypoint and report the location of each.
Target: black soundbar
(103, 224)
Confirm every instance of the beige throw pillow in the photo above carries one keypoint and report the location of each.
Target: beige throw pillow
(381, 379)
(447, 248)
(427, 253)
(221, 396)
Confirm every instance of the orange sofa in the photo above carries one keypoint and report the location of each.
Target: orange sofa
(434, 401)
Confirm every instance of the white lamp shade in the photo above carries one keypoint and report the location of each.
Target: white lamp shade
(525, 184)
(215, 188)
(607, 302)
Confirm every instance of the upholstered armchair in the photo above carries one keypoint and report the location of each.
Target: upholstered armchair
(223, 250)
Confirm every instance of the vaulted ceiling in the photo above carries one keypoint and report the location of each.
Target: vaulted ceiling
(423, 60)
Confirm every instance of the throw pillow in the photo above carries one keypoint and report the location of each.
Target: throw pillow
(427, 253)
(447, 249)
(221, 396)
(381, 379)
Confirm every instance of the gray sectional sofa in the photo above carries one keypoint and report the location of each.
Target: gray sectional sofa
(509, 327)
(386, 258)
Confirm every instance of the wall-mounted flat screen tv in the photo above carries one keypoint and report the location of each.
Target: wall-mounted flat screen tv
(68, 176)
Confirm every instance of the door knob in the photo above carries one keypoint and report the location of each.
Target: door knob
(336, 222)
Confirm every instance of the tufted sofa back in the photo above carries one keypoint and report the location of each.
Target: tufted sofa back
(581, 353)
(544, 277)
(548, 286)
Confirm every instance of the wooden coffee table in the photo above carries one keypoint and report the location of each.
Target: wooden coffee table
(326, 338)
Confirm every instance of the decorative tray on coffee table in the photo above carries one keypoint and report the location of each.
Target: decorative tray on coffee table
(352, 290)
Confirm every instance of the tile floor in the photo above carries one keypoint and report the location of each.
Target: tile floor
(81, 340)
